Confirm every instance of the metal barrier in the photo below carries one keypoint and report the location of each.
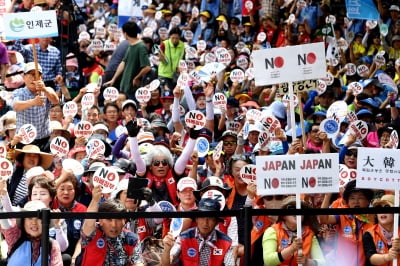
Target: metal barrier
(247, 212)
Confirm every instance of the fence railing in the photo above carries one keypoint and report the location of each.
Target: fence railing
(246, 213)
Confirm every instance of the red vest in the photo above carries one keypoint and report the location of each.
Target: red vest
(95, 252)
(190, 249)
(169, 182)
(283, 241)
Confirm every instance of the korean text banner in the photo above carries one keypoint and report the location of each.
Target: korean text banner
(378, 168)
(291, 174)
(25, 25)
(362, 9)
(288, 64)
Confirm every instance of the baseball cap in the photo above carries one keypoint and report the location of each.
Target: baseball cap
(129, 102)
(228, 133)
(186, 182)
(31, 66)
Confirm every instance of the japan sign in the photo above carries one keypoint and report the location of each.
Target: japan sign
(272, 66)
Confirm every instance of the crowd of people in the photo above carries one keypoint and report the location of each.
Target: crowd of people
(129, 89)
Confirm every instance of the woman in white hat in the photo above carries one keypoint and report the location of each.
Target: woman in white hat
(27, 157)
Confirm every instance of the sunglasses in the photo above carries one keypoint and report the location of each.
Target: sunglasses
(84, 46)
(380, 121)
(158, 162)
(385, 206)
(314, 131)
(230, 142)
(277, 197)
(351, 153)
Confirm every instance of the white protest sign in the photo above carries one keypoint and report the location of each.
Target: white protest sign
(87, 101)
(95, 147)
(248, 5)
(242, 62)
(261, 36)
(337, 111)
(3, 150)
(100, 32)
(97, 44)
(321, 87)
(195, 119)
(362, 70)
(107, 178)
(249, 73)
(188, 35)
(270, 123)
(248, 173)
(195, 12)
(303, 62)
(183, 80)
(254, 114)
(359, 128)
(330, 127)
(143, 95)
(74, 165)
(223, 56)
(264, 139)
(28, 133)
(378, 168)
(329, 78)
(356, 87)
(219, 100)
(70, 109)
(218, 150)
(24, 25)
(6, 169)
(59, 145)
(191, 52)
(351, 69)
(202, 146)
(394, 139)
(351, 116)
(154, 85)
(83, 129)
(110, 93)
(210, 57)
(201, 45)
(287, 174)
(217, 195)
(237, 75)
(286, 100)
(182, 66)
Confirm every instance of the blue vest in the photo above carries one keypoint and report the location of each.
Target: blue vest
(23, 256)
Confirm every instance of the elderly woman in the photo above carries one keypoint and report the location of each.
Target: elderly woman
(29, 156)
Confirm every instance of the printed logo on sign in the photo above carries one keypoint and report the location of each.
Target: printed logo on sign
(100, 243)
(347, 230)
(191, 252)
(259, 224)
(77, 224)
(284, 242)
(17, 24)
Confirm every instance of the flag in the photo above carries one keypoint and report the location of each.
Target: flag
(362, 9)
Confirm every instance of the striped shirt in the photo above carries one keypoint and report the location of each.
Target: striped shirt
(35, 115)
(21, 192)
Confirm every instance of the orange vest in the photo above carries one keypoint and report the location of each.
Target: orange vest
(283, 241)
(380, 242)
(349, 248)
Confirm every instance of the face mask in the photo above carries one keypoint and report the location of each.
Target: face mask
(203, 25)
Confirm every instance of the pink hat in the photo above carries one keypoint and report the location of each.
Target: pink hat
(72, 61)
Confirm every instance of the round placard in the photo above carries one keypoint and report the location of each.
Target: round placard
(83, 129)
(143, 95)
(210, 57)
(3, 150)
(237, 75)
(183, 80)
(216, 195)
(202, 146)
(371, 24)
(154, 85)
(394, 139)
(248, 173)
(59, 145)
(201, 45)
(6, 169)
(110, 93)
(337, 111)
(359, 128)
(195, 12)
(286, 100)
(261, 37)
(249, 73)
(223, 56)
(74, 165)
(28, 133)
(321, 87)
(362, 70)
(254, 114)
(70, 109)
(330, 19)
(248, 5)
(87, 101)
(219, 100)
(264, 139)
(329, 78)
(195, 119)
(351, 69)
(107, 178)
(182, 66)
(356, 87)
(242, 62)
(383, 28)
(330, 127)
(176, 226)
(351, 116)
(166, 206)
(270, 123)
(188, 35)
(95, 147)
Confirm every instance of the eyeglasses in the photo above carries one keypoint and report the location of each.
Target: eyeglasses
(276, 197)
(315, 130)
(230, 142)
(158, 162)
(351, 153)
